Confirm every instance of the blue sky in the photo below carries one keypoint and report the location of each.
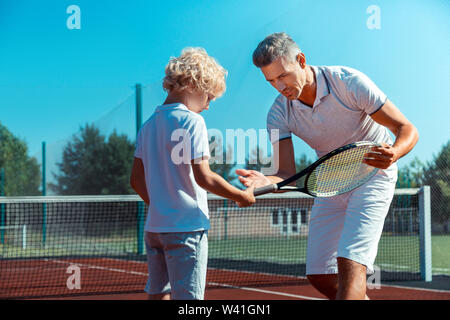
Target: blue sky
(53, 80)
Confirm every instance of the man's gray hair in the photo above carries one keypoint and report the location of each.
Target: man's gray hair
(274, 46)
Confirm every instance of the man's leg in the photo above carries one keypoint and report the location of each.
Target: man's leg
(341, 286)
(352, 280)
(327, 284)
(325, 228)
(367, 208)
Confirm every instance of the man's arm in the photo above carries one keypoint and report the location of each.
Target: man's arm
(137, 180)
(405, 132)
(214, 183)
(284, 162)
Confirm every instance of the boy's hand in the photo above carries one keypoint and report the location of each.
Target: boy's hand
(248, 197)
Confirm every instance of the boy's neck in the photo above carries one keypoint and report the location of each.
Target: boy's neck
(171, 99)
(180, 97)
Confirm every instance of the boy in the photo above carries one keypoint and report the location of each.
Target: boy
(171, 174)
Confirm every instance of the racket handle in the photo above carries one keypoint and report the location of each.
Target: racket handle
(267, 189)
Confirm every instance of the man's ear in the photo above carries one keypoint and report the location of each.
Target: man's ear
(301, 60)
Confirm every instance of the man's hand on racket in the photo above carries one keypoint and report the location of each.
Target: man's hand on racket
(249, 177)
(381, 157)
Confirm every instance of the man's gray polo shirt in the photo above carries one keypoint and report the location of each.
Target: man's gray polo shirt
(345, 99)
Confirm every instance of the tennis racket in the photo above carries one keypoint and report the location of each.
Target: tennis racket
(337, 172)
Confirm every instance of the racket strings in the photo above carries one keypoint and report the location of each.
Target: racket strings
(341, 173)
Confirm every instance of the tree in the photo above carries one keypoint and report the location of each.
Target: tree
(222, 164)
(118, 164)
(256, 161)
(91, 165)
(22, 173)
(410, 175)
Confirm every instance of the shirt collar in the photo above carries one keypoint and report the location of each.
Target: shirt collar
(322, 89)
(171, 106)
(322, 85)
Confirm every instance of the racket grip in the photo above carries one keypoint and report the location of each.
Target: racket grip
(267, 189)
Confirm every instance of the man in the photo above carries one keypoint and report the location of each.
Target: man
(173, 181)
(329, 107)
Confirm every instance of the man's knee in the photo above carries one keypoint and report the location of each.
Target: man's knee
(326, 284)
(351, 269)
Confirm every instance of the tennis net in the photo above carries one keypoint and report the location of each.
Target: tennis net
(79, 245)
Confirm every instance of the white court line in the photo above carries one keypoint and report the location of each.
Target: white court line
(97, 267)
(265, 291)
(211, 283)
(414, 288)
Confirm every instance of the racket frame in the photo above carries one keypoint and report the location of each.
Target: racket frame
(283, 185)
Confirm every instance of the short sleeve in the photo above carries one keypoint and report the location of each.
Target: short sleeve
(277, 126)
(365, 94)
(199, 139)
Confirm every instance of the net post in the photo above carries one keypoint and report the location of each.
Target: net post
(24, 236)
(425, 233)
(140, 227)
(44, 193)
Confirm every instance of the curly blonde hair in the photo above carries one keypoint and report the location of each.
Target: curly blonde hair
(195, 69)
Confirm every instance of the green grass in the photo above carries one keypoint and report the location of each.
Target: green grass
(396, 253)
(68, 246)
(440, 250)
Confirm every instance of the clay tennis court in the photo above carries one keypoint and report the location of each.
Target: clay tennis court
(107, 279)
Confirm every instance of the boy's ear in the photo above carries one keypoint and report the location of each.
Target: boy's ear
(190, 90)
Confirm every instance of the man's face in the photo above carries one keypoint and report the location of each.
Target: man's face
(288, 77)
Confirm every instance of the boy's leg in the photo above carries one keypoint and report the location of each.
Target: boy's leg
(186, 259)
(158, 287)
(161, 296)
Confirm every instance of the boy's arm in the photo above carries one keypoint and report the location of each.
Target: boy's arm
(137, 180)
(214, 183)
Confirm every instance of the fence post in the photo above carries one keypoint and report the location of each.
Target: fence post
(138, 108)
(425, 234)
(44, 193)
